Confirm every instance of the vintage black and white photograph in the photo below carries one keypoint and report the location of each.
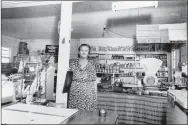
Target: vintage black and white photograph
(94, 62)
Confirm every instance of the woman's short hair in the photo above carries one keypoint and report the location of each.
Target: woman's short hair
(84, 45)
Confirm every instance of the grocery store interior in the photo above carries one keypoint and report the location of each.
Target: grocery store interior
(140, 54)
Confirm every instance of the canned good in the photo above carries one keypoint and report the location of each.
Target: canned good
(102, 113)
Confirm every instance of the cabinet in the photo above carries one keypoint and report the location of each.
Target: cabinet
(17, 59)
(126, 68)
(151, 34)
(161, 33)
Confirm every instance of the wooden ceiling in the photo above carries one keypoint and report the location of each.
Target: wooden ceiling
(88, 19)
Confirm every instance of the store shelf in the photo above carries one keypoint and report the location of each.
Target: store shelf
(104, 73)
(124, 75)
(123, 60)
(129, 68)
(32, 62)
(157, 76)
(127, 85)
(115, 74)
(120, 59)
(30, 81)
(162, 76)
(133, 59)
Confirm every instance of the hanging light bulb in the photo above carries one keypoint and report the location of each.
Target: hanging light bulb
(104, 30)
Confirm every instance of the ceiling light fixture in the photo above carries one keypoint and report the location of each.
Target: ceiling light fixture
(122, 5)
(15, 4)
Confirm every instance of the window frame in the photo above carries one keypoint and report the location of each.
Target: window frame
(5, 56)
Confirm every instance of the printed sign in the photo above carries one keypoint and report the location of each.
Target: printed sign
(135, 48)
(52, 49)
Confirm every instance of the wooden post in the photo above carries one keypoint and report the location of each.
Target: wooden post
(64, 49)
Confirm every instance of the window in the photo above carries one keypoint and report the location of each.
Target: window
(6, 54)
(173, 59)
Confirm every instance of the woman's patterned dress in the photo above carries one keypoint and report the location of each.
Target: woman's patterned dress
(83, 88)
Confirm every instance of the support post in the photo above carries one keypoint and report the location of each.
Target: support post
(64, 49)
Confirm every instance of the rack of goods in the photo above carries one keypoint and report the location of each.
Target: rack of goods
(126, 68)
(20, 57)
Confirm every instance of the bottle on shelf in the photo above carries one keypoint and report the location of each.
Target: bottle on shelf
(114, 67)
(123, 57)
(118, 67)
(116, 57)
(130, 65)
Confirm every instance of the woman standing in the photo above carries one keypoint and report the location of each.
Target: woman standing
(82, 94)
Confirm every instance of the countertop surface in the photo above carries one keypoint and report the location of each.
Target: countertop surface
(180, 99)
(80, 117)
(183, 109)
(92, 117)
(143, 95)
(35, 114)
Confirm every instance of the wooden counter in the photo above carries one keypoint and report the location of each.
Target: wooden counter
(134, 109)
(38, 114)
(87, 117)
(35, 114)
(130, 109)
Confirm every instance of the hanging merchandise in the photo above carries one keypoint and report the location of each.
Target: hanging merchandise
(34, 86)
(21, 66)
(49, 84)
(44, 81)
(39, 78)
(8, 92)
(37, 85)
(29, 97)
(19, 88)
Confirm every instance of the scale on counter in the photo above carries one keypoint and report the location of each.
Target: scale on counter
(150, 66)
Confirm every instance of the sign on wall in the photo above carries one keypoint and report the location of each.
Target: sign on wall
(52, 49)
(122, 46)
(135, 48)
